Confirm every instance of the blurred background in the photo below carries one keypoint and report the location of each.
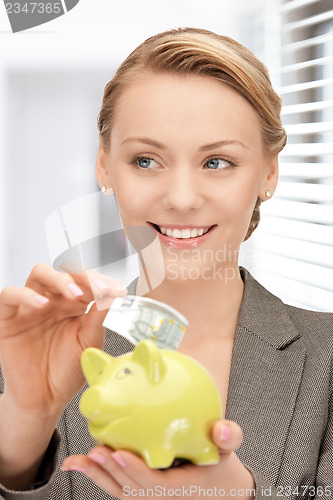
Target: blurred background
(51, 84)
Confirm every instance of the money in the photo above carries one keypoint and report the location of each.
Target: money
(137, 318)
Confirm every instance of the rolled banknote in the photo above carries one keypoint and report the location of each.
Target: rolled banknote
(137, 318)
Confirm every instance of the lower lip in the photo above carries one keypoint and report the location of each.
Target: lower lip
(183, 243)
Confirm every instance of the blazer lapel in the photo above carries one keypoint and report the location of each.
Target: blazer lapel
(265, 376)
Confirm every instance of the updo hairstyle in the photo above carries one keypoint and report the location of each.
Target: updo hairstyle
(187, 51)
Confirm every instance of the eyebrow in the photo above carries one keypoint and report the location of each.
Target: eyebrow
(206, 147)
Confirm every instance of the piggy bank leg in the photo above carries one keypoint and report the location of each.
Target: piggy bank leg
(208, 453)
(158, 459)
(200, 450)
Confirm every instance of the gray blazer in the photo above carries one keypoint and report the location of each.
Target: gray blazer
(280, 393)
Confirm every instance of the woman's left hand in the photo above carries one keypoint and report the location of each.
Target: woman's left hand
(124, 475)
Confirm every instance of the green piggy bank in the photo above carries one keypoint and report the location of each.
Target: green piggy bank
(157, 403)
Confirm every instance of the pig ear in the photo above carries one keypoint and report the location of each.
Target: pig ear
(148, 355)
(93, 362)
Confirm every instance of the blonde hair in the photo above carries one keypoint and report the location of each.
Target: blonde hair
(187, 51)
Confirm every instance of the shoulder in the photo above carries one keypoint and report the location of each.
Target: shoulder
(316, 338)
(315, 327)
(311, 320)
(281, 324)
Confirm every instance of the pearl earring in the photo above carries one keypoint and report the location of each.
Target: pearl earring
(268, 194)
(103, 189)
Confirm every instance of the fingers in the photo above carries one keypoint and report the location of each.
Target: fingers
(227, 435)
(130, 470)
(104, 289)
(44, 282)
(114, 471)
(100, 468)
(44, 278)
(86, 286)
(11, 297)
(97, 474)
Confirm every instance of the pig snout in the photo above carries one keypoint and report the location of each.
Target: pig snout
(92, 406)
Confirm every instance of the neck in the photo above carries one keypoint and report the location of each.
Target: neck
(209, 305)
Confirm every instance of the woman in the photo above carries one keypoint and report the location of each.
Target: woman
(190, 132)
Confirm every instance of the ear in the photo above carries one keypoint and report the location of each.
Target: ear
(102, 171)
(148, 355)
(93, 362)
(270, 178)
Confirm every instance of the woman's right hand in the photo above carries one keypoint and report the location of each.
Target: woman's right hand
(43, 330)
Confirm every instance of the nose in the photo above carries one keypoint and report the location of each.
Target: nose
(183, 191)
(91, 405)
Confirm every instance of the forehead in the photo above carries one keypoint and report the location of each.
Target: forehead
(163, 105)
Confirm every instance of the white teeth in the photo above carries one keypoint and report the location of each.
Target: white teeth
(184, 233)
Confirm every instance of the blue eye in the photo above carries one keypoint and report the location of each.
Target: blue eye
(217, 163)
(144, 162)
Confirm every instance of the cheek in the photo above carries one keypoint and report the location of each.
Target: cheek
(237, 221)
(136, 196)
(248, 188)
(132, 205)
(236, 208)
(127, 194)
(244, 204)
(237, 199)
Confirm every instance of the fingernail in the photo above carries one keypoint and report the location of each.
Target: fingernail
(119, 460)
(224, 433)
(101, 285)
(74, 467)
(74, 289)
(120, 287)
(40, 299)
(96, 457)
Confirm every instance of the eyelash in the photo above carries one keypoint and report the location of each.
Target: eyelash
(136, 159)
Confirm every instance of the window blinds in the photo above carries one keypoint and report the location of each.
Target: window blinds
(292, 252)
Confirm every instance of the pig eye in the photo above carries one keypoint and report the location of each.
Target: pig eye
(123, 373)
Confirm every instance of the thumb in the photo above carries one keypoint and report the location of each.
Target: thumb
(227, 435)
(93, 331)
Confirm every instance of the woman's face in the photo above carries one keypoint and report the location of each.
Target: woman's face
(186, 153)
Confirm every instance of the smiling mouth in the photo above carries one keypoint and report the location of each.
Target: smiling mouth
(183, 233)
